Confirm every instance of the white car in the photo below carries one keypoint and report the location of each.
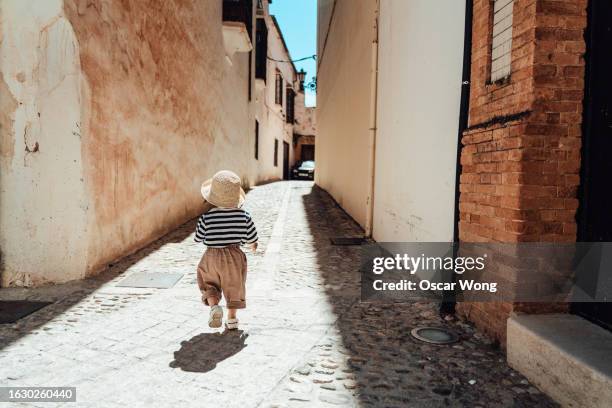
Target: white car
(304, 171)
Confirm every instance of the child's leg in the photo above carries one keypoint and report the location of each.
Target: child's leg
(232, 322)
(231, 266)
(208, 282)
(234, 281)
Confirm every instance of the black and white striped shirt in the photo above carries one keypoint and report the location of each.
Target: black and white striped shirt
(221, 227)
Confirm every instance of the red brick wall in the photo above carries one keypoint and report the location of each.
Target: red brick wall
(521, 153)
(489, 100)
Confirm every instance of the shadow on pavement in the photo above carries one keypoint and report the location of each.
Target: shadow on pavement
(62, 297)
(203, 352)
(387, 367)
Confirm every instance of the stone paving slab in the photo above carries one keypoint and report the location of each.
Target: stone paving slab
(305, 339)
(157, 280)
(367, 357)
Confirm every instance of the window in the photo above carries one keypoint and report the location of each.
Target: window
(501, 48)
(249, 84)
(275, 152)
(278, 94)
(290, 105)
(256, 140)
(261, 49)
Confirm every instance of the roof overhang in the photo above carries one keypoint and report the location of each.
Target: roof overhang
(235, 38)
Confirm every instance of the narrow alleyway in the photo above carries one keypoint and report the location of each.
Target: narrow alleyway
(305, 338)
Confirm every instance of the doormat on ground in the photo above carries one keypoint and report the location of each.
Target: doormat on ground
(151, 280)
(346, 241)
(13, 310)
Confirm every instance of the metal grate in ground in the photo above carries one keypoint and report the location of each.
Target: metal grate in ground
(150, 280)
(347, 241)
(13, 310)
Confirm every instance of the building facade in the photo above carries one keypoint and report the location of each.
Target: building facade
(387, 121)
(112, 116)
(473, 121)
(521, 155)
(305, 127)
(279, 99)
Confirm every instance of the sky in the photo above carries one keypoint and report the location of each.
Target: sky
(298, 22)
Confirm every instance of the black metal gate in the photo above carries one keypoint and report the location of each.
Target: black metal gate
(595, 212)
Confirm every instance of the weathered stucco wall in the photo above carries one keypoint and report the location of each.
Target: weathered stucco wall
(115, 113)
(43, 197)
(164, 114)
(305, 117)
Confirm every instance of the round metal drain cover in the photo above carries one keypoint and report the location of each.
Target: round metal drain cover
(434, 335)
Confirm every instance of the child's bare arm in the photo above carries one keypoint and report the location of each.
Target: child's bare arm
(251, 238)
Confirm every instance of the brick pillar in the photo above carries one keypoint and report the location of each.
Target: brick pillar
(521, 153)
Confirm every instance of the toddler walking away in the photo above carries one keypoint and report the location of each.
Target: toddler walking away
(223, 228)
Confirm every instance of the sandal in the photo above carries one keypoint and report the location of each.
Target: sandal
(231, 324)
(215, 317)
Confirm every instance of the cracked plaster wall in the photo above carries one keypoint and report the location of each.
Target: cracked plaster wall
(113, 112)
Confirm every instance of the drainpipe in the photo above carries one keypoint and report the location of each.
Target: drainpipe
(464, 109)
(447, 305)
(372, 122)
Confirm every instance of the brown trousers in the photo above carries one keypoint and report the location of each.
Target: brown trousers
(224, 271)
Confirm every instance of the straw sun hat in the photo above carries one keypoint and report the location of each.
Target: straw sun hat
(223, 190)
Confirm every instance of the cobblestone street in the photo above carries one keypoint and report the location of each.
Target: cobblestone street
(305, 340)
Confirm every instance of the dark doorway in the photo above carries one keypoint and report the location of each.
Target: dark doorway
(594, 215)
(285, 161)
(307, 152)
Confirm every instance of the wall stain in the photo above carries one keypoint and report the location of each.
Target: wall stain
(154, 73)
(8, 106)
(29, 147)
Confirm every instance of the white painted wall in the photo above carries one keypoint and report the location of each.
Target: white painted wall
(343, 152)
(419, 87)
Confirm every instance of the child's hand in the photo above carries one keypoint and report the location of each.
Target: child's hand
(253, 246)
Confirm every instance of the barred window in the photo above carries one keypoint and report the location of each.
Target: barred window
(278, 96)
(261, 49)
(501, 49)
(256, 140)
(290, 118)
